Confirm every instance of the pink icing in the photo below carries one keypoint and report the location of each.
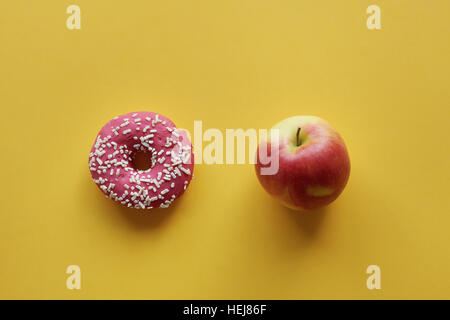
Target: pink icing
(111, 160)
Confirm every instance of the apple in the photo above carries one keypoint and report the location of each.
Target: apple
(313, 167)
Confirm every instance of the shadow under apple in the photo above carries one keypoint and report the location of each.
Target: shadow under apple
(308, 221)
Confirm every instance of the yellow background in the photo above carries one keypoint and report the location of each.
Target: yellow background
(232, 64)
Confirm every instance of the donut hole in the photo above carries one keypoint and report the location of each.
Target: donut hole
(142, 160)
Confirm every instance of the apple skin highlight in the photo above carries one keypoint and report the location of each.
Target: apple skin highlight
(314, 165)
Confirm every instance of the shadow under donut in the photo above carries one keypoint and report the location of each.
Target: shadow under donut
(146, 219)
(135, 218)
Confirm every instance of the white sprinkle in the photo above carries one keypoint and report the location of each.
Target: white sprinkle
(187, 171)
(186, 158)
(147, 137)
(100, 162)
(134, 115)
(126, 131)
(172, 184)
(99, 153)
(126, 186)
(164, 191)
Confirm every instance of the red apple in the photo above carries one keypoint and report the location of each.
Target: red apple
(313, 167)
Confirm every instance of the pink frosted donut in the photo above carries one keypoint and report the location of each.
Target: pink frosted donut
(111, 160)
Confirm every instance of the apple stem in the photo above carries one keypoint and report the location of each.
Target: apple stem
(298, 136)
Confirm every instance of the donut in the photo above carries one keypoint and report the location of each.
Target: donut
(116, 145)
